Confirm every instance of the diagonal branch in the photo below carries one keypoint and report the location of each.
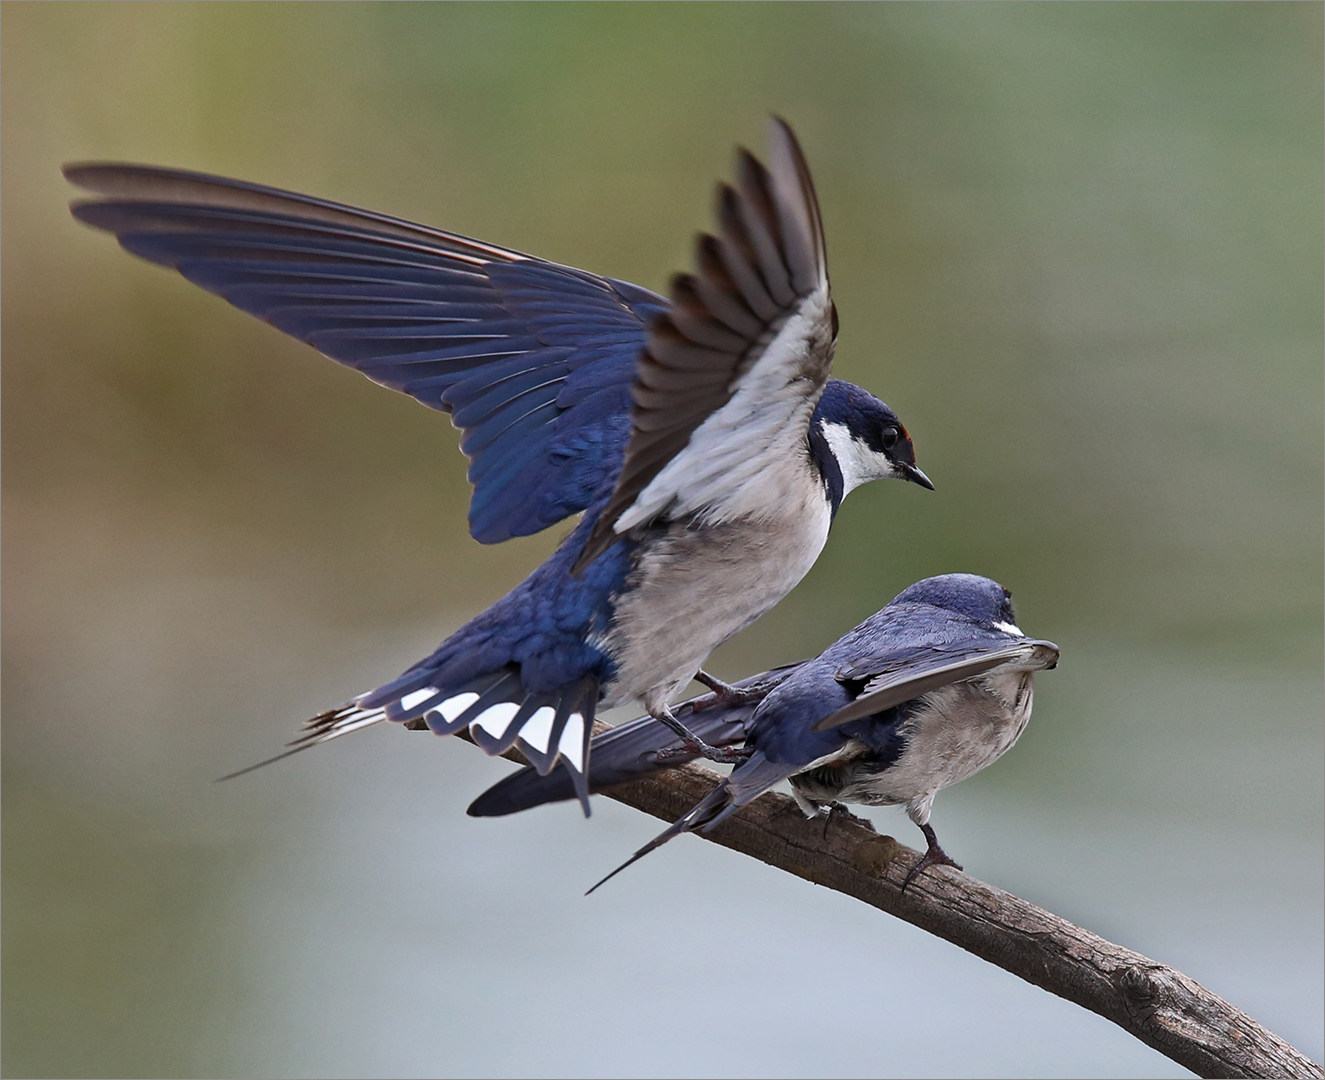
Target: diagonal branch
(1158, 1005)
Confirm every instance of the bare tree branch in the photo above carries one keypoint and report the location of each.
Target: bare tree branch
(1160, 1006)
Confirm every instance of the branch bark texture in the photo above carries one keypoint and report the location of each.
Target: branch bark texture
(1158, 1005)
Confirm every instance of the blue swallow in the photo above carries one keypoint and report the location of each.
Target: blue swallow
(699, 436)
(921, 695)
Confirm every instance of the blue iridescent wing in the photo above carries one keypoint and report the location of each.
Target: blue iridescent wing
(533, 360)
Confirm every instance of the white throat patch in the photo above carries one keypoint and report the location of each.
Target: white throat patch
(858, 463)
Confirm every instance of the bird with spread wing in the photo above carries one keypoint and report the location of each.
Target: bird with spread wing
(699, 436)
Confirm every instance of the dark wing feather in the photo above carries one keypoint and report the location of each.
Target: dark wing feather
(900, 676)
(766, 265)
(533, 360)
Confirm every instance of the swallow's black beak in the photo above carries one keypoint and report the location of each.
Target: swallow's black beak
(913, 475)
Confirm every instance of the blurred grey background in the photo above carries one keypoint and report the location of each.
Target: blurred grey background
(1077, 247)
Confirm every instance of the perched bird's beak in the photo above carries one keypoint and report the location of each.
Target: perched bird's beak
(915, 476)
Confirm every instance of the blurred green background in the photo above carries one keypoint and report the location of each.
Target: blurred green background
(1077, 247)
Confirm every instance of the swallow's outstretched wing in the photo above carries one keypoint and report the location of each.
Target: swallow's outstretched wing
(533, 360)
(539, 365)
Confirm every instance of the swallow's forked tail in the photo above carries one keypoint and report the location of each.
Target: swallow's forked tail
(496, 708)
(324, 727)
(710, 810)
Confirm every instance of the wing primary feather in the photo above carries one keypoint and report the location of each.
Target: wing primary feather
(794, 187)
(739, 257)
(124, 182)
(695, 323)
(762, 228)
(717, 290)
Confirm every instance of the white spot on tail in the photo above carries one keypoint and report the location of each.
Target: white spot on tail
(454, 706)
(571, 744)
(538, 728)
(417, 697)
(495, 718)
(1009, 628)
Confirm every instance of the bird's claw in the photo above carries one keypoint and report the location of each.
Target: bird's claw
(693, 748)
(673, 753)
(933, 856)
(726, 694)
(835, 810)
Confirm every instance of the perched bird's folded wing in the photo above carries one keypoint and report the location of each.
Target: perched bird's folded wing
(893, 678)
(732, 372)
(629, 751)
(533, 360)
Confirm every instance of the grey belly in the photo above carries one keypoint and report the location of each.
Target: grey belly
(695, 588)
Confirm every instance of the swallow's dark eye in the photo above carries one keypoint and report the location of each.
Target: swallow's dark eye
(889, 436)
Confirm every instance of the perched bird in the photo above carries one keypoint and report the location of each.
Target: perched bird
(700, 436)
(922, 694)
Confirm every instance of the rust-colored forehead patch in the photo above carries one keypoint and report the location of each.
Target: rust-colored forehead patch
(905, 450)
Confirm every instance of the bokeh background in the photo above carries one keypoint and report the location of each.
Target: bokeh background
(1077, 247)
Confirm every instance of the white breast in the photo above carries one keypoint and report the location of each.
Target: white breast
(693, 588)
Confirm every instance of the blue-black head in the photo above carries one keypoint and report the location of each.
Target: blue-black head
(856, 438)
(979, 599)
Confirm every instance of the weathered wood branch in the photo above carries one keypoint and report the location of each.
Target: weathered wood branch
(1158, 1005)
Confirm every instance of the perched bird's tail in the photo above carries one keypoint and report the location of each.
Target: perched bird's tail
(746, 783)
(708, 811)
